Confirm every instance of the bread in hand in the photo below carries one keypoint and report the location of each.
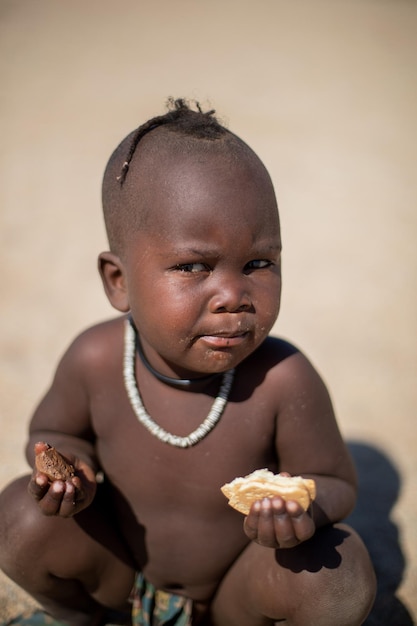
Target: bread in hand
(262, 483)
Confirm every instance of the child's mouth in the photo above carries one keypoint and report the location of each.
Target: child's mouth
(223, 341)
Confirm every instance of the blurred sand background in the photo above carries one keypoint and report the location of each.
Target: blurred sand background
(326, 92)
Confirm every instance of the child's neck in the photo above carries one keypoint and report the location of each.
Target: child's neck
(168, 380)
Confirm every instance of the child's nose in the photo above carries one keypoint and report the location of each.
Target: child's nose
(230, 295)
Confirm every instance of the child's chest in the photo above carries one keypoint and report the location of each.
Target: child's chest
(147, 470)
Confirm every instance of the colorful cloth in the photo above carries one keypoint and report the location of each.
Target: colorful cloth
(152, 607)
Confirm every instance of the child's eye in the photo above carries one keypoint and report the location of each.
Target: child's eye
(257, 264)
(192, 268)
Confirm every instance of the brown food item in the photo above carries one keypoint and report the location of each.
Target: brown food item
(52, 463)
(243, 492)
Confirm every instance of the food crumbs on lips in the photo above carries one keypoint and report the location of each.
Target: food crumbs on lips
(53, 464)
(242, 492)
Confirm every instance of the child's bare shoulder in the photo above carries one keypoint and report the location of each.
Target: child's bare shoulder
(95, 347)
(87, 365)
(287, 368)
(281, 357)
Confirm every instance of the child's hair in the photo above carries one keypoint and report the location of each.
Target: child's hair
(180, 118)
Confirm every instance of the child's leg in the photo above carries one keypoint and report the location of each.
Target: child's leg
(326, 581)
(70, 566)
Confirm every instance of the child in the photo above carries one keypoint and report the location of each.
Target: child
(181, 394)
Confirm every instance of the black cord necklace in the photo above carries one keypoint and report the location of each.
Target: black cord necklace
(174, 382)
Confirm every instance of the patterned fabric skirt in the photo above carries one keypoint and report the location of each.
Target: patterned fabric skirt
(151, 607)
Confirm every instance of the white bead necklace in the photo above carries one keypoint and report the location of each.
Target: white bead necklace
(137, 405)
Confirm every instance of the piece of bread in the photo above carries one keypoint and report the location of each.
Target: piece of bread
(243, 492)
(50, 462)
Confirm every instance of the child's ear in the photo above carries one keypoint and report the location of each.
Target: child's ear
(112, 274)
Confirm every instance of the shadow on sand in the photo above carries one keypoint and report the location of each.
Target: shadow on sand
(379, 486)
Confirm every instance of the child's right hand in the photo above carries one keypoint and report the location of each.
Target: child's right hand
(275, 523)
(63, 498)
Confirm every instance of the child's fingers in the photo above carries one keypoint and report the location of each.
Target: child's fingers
(38, 485)
(69, 500)
(266, 524)
(51, 501)
(275, 523)
(283, 523)
(269, 524)
(62, 498)
(303, 526)
(251, 522)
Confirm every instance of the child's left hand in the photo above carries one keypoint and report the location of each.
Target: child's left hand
(275, 523)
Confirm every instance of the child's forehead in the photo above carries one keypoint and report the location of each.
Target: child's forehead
(204, 186)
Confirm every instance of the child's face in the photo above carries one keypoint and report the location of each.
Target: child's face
(203, 279)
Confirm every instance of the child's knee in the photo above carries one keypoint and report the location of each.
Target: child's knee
(326, 581)
(12, 514)
(357, 580)
(341, 588)
(18, 527)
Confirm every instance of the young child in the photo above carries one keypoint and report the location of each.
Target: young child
(182, 393)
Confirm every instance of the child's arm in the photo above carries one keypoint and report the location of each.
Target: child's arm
(309, 444)
(63, 420)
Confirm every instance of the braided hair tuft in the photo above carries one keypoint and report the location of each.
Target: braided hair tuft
(180, 118)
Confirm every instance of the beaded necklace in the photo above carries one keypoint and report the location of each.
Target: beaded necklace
(132, 390)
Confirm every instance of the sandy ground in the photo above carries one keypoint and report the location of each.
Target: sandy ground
(325, 91)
